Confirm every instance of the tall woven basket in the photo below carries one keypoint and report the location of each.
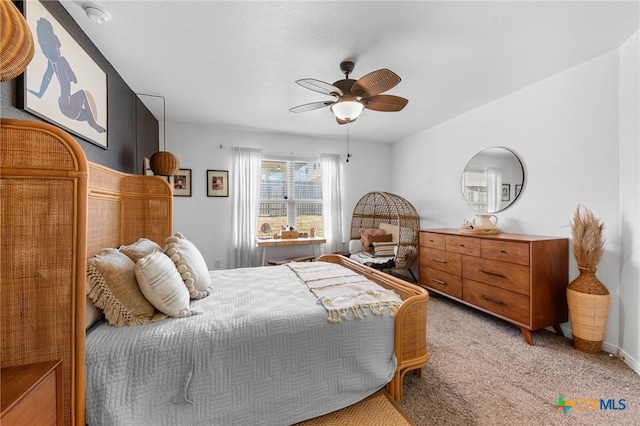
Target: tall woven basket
(588, 301)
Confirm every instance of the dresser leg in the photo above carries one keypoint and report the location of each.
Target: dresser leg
(527, 336)
(558, 330)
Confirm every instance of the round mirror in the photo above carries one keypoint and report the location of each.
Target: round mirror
(492, 180)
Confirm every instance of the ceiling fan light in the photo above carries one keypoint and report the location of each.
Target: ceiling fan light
(347, 110)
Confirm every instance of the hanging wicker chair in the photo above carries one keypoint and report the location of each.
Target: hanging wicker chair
(383, 207)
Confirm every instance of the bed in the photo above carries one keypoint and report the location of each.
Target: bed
(75, 209)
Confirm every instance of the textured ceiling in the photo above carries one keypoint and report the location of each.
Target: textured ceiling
(234, 63)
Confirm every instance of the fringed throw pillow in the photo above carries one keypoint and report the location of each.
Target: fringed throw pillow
(112, 286)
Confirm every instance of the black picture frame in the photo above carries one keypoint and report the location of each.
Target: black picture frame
(62, 69)
(217, 183)
(181, 183)
(506, 192)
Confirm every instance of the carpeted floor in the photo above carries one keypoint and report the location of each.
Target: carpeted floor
(481, 372)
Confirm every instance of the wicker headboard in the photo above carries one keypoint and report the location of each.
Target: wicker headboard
(57, 209)
(125, 207)
(43, 208)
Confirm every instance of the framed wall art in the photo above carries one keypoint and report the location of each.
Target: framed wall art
(181, 183)
(217, 183)
(506, 192)
(63, 84)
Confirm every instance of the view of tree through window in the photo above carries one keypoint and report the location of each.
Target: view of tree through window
(291, 194)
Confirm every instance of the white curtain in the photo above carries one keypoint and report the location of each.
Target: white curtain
(494, 190)
(331, 204)
(244, 184)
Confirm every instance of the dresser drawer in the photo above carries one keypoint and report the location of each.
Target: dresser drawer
(508, 276)
(463, 245)
(441, 260)
(32, 394)
(505, 251)
(502, 302)
(441, 281)
(431, 240)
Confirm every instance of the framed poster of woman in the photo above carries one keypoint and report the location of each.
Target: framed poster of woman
(63, 84)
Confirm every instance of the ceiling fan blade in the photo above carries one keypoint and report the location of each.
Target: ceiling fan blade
(375, 83)
(319, 86)
(385, 103)
(311, 106)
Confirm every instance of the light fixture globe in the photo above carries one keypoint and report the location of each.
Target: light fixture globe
(164, 163)
(16, 42)
(347, 110)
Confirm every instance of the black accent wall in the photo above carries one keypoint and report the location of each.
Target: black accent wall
(132, 130)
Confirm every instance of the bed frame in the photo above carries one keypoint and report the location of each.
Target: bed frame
(58, 209)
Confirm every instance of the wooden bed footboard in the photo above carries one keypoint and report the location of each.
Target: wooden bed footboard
(411, 320)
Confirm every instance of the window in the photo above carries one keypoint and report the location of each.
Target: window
(474, 187)
(291, 195)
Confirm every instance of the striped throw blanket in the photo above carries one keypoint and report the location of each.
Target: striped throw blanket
(344, 293)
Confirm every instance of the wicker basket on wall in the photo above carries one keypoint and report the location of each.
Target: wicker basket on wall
(587, 297)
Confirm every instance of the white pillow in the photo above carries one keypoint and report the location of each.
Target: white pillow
(161, 284)
(390, 229)
(190, 264)
(140, 249)
(355, 246)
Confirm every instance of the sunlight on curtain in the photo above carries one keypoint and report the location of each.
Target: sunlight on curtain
(244, 184)
(494, 190)
(332, 206)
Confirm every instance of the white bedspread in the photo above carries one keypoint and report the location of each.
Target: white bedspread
(263, 353)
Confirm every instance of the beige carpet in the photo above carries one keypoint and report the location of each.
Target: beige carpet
(377, 410)
(481, 372)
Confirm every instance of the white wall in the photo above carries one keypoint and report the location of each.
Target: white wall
(566, 131)
(207, 220)
(628, 331)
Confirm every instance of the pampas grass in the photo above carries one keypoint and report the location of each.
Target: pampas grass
(588, 238)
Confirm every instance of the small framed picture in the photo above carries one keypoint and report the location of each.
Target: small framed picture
(217, 183)
(506, 192)
(181, 183)
(518, 189)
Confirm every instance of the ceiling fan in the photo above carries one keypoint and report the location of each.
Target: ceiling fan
(352, 96)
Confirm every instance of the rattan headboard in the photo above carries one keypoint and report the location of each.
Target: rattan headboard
(125, 207)
(43, 207)
(57, 209)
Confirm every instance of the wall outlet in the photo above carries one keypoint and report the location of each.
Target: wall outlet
(217, 264)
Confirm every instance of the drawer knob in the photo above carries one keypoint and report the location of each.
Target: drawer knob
(438, 260)
(438, 281)
(495, 274)
(503, 251)
(491, 299)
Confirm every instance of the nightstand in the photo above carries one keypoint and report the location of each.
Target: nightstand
(32, 394)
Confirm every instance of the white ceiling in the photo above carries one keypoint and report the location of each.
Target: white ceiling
(234, 63)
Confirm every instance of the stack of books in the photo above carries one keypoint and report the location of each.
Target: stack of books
(384, 249)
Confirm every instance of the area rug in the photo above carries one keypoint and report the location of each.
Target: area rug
(378, 409)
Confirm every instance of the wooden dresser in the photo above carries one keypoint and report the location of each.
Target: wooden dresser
(519, 278)
(32, 394)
